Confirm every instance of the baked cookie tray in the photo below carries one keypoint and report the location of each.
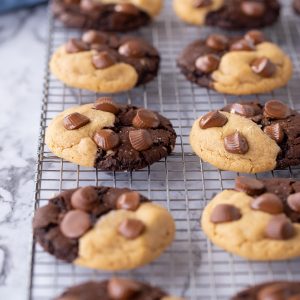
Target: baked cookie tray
(192, 267)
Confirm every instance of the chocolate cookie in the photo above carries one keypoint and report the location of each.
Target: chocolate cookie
(236, 65)
(110, 136)
(296, 5)
(103, 62)
(103, 228)
(228, 14)
(271, 206)
(107, 15)
(249, 137)
(281, 290)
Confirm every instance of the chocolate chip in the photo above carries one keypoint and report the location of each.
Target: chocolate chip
(103, 60)
(217, 42)
(263, 67)
(213, 119)
(106, 139)
(201, 3)
(242, 109)
(45, 215)
(132, 48)
(122, 289)
(107, 104)
(70, 2)
(88, 5)
(250, 186)
(127, 8)
(294, 202)
(275, 132)
(223, 213)
(131, 228)
(255, 36)
(280, 228)
(207, 63)
(253, 8)
(129, 201)
(275, 291)
(75, 223)
(145, 118)
(74, 46)
(84, 198)
(75, 121)
(275, 109)
(140, 139)
(93, 37)
(236, 143)
(269, 203)
(242, 45)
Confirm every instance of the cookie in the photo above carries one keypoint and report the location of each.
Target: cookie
(258, 220)
(111, 137)
(296, 5)
(228, 14)
(103, 228)
(248, 137)
(107, 15)
(103, 62)
(285, 290)
(236, 65)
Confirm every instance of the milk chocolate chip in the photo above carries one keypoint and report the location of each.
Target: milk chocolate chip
(253, 8)
(131, 228)
(236, 143)
(84, 198)
(145, 118)
(242, 109)
(106, 139)
(122, 289)
(213, 119)
(207, 63)
(132, 48)
(106, 104)
(294, 202)
(140, 139)
(248, 185)
(280, 228)
(74, 46)
(127, 8)
(269, 203)
(255, 36)
(263, 67)
(129, 201)
(75, 121)
(242, 45)
(275, 109)
(93, 37)
(225, 213)
(275, 132)
(217, 42)
(103, 60)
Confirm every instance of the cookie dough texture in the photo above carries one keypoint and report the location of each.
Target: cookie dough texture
(209, 145)
(245, 237)
(102, 248)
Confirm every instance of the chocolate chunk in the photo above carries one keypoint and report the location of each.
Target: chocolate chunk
(84, 198)
(127, 8)
(213, 119)
(88, 5)
(132, 48)
(250, 186)
(75, 121)
(201, 3)
(242, 109)
(131, 228)
(107, 104)
(275, 132)
(74, 46)
(217, 42)
(207, 63)
(93, 37)
(223, 213)
(140, 139)
(236, 143)
(45, 215)
(145, 118)
(269, 203)
(242, 45)
(294, 202)
(263, 67)
(103, 60)
(255, 36)
(129, 201)
(275, 109)
(75, 223)
(280, 228)
(106, 139)
(253, 8)
(122, 289)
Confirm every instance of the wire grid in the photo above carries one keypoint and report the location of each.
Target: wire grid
(192, 267)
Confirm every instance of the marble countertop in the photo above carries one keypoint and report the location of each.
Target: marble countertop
(22, 54)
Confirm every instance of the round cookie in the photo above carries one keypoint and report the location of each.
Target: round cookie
(228, 14)
(248, 137)
(237, 66)
(285, 290)
(103, 228)
(107, 15)
(110, 137)
(106, 63)
(259, 220)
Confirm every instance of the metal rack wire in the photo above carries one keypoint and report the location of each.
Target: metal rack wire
(192, 267)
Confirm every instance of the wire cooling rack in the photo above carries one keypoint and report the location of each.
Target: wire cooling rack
(192, 267)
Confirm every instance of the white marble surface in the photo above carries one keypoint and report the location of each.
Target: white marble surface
(22, 60)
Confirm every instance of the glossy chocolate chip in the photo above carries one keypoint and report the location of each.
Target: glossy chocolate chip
(122, 289)
(253, 8)
(242, 45)
(250, 186)
(127, 8)
(276, 109)
(93, 37)
(106, 139)
(213, 119)
(74, 46)
(131, 228)
(223, 213)
(236, 143)
(269, 203)
(129, 201)
(201, 3)
(75, 121)
(145, 118)
(45, 215)
(88, 5)
(103, 60)
(84, 198)
(140, 139)
(276, 291)
(217, 42)
(280, 228)
(107, 104)
(75, 223)
(263, 67)
(294, 202)
(207, 63)
(275, 132)
(132, 48)
(255, 36)
(242, 109)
